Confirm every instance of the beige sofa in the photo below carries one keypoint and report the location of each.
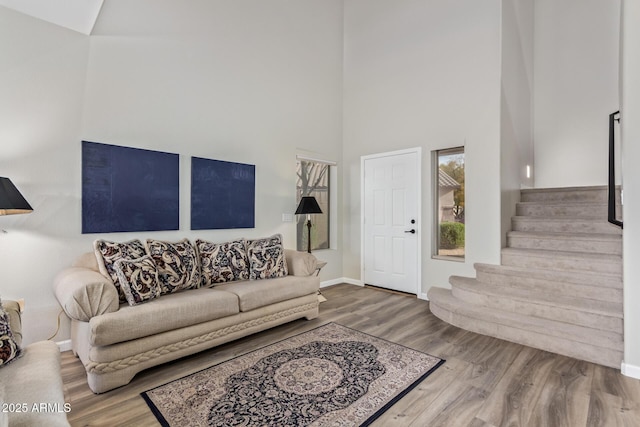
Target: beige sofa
(31, 392)
(115, 341)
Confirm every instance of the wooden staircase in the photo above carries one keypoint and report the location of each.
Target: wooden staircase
(559, 285)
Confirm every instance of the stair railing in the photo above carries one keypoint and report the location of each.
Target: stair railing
(613, 117)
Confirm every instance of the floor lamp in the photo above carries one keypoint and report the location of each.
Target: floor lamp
(308, 205)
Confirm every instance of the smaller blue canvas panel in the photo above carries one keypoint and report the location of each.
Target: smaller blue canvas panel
(128, 189)
(222, 194)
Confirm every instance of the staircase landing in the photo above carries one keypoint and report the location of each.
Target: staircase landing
(559, 285)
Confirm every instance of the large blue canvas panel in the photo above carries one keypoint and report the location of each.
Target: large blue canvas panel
(222, 194)
(129, 189)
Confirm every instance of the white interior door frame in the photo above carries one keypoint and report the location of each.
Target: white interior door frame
(418, 226)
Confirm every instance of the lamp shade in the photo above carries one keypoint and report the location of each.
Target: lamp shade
(11, 201)
(308, 205)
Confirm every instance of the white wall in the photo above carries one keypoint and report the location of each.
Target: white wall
(425, 74)
(77, 15)
(250, 81)
(247, 81)
(516, 108)
(43, 70)
(257, 82)
(630, 123)
(575, 89)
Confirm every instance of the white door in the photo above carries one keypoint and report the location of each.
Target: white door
(390, 220)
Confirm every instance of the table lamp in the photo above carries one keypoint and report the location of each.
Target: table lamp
(308, 205)
(11, 201)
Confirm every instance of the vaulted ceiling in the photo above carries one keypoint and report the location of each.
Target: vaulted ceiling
(77, 15)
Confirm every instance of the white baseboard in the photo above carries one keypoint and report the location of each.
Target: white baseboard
(350, 281)
(64, 345)
(423, 296)
(340, 280)
(630, 370)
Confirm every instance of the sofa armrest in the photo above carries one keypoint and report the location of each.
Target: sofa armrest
(84, 293)
(300, 263)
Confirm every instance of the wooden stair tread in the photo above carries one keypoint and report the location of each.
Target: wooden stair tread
(562, 203)
(565, 189)
(564, 235)
(543, 253)
(560, 219)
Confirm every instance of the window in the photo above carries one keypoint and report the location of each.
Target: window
(449, 203)
(313, 180)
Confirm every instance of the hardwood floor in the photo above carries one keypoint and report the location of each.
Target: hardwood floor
(485, 381)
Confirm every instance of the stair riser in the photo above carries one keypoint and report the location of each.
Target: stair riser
(559, 277)
(590, 210)
(558, 263)
(575, 196)
(551, 226)
(574, 317)
(599, 293)
(603, 356)
(571, 245)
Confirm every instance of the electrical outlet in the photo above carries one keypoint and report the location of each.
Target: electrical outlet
(287, 217)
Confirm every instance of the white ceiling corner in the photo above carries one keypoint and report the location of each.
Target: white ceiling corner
(77, 15)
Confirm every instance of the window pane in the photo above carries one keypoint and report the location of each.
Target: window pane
(313, 180)
(450, 203)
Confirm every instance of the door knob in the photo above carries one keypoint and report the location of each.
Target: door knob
(412, 231)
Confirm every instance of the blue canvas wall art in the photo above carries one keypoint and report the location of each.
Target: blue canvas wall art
(129, 189)
(222, 194)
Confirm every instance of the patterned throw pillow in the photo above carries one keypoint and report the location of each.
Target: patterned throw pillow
(138, 279)
(9, 348)
(107, 253)
(177, 265)
(223, 262)
(266, 258)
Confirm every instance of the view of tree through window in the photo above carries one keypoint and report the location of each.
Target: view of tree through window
(313, 180)
(450, 206)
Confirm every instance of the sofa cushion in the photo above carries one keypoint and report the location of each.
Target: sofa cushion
(138, 279)
(254, 294)
(222, 262)
(9, 347)
(36, 379)
(163, 314)
(177, 264)
(107, 253)
(266, 258)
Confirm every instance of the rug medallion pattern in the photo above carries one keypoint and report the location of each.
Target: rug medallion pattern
(329, 376)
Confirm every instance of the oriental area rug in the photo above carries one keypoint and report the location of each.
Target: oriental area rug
(329, 376)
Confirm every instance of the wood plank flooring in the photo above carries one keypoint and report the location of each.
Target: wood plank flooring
(485, 381)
